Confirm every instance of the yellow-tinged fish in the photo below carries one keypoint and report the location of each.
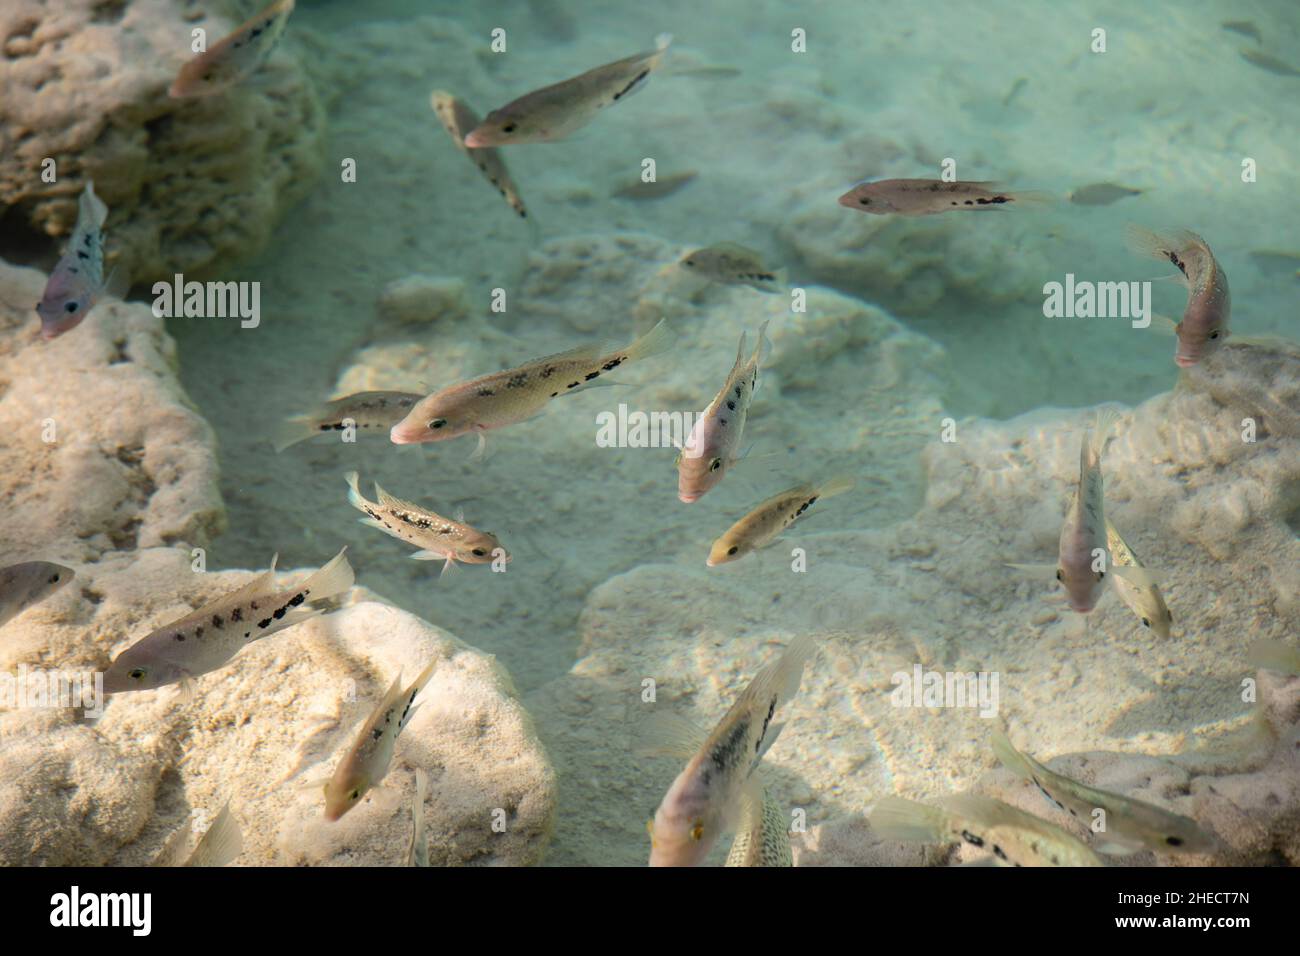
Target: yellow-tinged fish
(22, 585)
(366, 762)
(1083, 558)
(220, 844)
(732, 264)
(77, 282)
(1274, 656)
(234, 57)
(928, 197)
(206, 639)
(764, 835)
(417, 854)
(1015, 838)
(368, 413)
(1204, 327)
(439, 538)
(762, 525)
(707, 798)
(713, 445)
(1145, 600)
(458, 119)
(517, 394)
(1129, 825)
(556, 111)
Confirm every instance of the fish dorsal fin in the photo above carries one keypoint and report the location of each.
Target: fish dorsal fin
(398, 504)
(264, 583)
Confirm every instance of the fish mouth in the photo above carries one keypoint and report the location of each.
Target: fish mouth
(1182, 361)
(398, 436)
(687, 497)
(476, 140)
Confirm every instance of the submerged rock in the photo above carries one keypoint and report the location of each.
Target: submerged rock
(190, 184)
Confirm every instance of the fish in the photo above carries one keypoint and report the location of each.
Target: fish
(662, 187)
(1275, 260)
(732, 264)
(1130, 825)
(439, 538)
(1101, 194)
(712, 447)
(1245, 27)
(557, 111)
(1274, 656)
(367, 411)
(235, 57)
(418, 852)
(1204, 327)
(1083, 558)
(1267, 61)
(1015, 838)
(458, 119)
(29, 583)
(764, 836)
(1145, 601)
(517, 394)
(927, 197)
(1016, 88)
(365, 764)
(762, 525)
(707, 798)
(77, 282)
(205, 640)
(220, 844)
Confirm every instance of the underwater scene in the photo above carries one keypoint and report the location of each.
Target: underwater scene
(745, 433)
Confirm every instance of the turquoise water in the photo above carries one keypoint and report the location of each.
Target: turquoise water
(888, 332)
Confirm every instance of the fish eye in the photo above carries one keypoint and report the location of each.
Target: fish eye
(1100, 575)
(437, 423)
(1145, 622)
(865, 201)
(1174, 841)
(509, 127)
(478, 552)
(1059, 576)
(1169, 614)
(715, 464)
(689, 262)
(137, 674)
(354, 795)
(733, 549)
(697, 831)
(70, 307)
(1214, 334)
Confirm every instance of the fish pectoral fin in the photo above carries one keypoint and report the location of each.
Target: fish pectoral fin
(1035, 570)
(448, 567)
(313, 783)
(425, 555)
(666, 734)
(1141, 577)
(1112, 848)
(1162, 324)
(480, 450)
(117, 284)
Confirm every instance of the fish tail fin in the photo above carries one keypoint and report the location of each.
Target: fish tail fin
(907, 821)
(835, 486)
(763, 348)
(291, 431)
(655, 342)
(354, 491)
(91, 207)
(1033, 197)
(331, 581)
(1011, 758)
(1274, 656)
(1105, 423)
(422, 678)
(663, 41)
(221, 844)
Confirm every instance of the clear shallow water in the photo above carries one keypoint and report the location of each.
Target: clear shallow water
(1170, 108)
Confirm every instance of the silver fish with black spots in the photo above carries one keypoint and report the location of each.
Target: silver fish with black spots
(22, 585)
(367, 412)
(234, 57)
(928, 197)
(732, 264)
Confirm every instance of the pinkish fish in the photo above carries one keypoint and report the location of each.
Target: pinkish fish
(1209, 305)
(77, 282)
(234, 57)
(926, 197)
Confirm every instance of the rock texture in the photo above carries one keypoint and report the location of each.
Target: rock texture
(191, 185)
